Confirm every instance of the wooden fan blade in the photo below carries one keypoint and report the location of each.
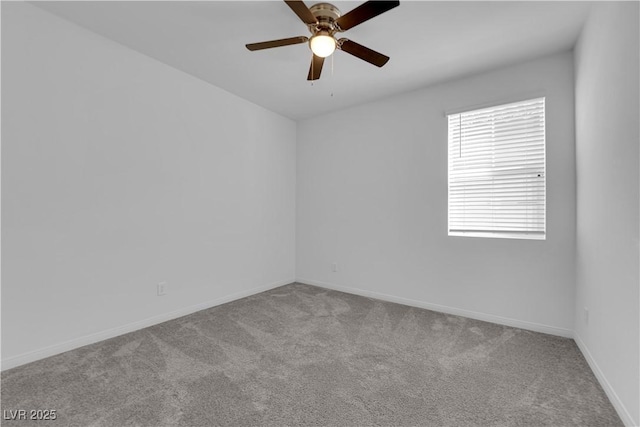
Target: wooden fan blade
(362, 52)
(303, 12)
(316, 68)
(277, 43)
(364, 12)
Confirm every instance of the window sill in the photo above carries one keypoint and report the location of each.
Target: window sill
(493, 235)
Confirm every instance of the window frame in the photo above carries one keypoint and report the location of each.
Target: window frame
(522, 233)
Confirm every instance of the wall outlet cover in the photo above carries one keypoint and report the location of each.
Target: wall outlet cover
(162, 288)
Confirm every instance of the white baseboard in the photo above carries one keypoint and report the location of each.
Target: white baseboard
(521, 324)
(624, 415)
(32, 356)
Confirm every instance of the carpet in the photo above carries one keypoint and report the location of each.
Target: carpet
(304, 355)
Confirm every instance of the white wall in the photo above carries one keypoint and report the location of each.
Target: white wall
(607, 140)
(119, 172)
(372, 196)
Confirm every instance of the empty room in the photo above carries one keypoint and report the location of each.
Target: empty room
(286, 213)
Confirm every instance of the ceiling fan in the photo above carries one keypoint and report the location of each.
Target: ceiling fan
(324, 20)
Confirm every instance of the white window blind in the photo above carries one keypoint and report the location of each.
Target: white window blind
(497, 185)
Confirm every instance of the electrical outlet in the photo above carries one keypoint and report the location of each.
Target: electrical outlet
(586, 315)
(334, 267)
(162, 288)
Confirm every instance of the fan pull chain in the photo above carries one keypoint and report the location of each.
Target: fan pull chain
(332, 56)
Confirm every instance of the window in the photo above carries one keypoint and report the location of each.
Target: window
(497, 185)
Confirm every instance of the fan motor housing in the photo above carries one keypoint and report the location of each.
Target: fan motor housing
(325, 13)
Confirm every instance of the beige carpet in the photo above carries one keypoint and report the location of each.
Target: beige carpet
(302, 355)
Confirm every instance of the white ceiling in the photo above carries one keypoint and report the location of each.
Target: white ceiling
(428, 42)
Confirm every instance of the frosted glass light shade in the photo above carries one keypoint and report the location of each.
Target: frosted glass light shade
(322, 45)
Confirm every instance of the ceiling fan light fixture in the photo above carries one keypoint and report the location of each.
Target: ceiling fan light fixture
(322, 45)
(323, 21)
